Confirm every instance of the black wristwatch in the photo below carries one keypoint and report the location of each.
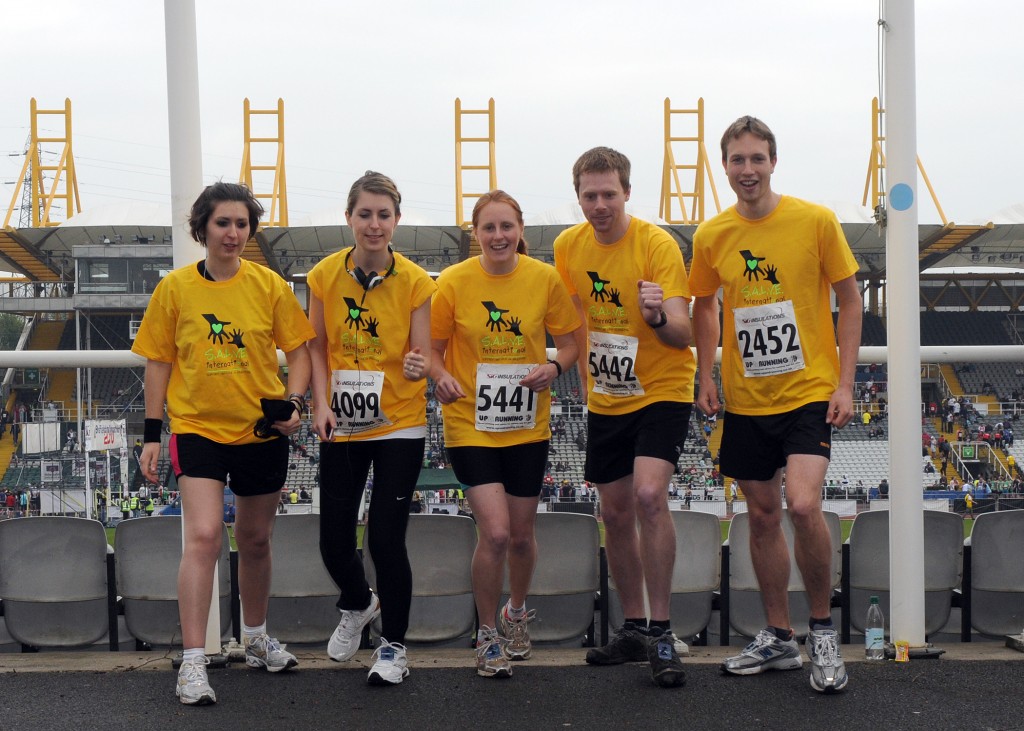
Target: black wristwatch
(662, 322)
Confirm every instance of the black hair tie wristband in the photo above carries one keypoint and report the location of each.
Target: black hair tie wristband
(557, 367)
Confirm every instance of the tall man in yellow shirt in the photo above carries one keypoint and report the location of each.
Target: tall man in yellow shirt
(777, 259)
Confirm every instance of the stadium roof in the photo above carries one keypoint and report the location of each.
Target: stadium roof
(45, 254)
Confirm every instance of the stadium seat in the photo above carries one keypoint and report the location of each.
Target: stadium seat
(303, 595)
(441, 553)
(147, 554)
(695, 577)
(996, 587)
(566, 579)
(746, 612)
(54, 581)
(869, 565)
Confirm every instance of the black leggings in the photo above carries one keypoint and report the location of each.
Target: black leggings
(343, 470)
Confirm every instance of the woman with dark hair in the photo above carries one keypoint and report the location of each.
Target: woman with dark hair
(497, 438)
(370, 308)
(210, 336)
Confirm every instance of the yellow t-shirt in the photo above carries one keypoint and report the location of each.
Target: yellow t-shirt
(221, 339)
(629, 367)
(500, 320)
(778, 340)
(368, 332)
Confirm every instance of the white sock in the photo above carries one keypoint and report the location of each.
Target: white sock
(192, 654)
(249, 633)
(515, 612)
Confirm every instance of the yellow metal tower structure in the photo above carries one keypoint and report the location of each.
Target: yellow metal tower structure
(944, 241)
(676, 192)
(64, 186)
(277, 214)
(461, 167)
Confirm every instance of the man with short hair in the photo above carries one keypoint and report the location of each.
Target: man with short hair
(778, 259)
(628, 282)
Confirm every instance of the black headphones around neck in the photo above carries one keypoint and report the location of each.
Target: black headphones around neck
(369, 280)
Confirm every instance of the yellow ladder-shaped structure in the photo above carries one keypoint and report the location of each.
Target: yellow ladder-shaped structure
(477, 142)
(677, 193)
(277, 210)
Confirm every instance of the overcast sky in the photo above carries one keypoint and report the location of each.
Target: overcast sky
(372, 85)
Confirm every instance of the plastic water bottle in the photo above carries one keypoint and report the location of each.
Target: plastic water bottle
(874, 632)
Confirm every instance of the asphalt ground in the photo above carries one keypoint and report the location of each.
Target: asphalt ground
(973, 686)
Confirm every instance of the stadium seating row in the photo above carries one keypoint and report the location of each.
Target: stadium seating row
(60, 583)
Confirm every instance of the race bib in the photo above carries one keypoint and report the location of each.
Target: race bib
(501, 403)
(355, 401)
(768, 339)
(612, 360)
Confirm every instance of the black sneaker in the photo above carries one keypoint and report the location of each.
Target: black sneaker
(666, 668)
(629, 644)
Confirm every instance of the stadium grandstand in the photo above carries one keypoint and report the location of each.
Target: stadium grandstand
(82, 284)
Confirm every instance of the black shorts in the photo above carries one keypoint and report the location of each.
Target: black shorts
(255, 469)
(613, 442)
(520, 468)
(754, 447)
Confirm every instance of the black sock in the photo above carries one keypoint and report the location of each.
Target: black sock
(783, 634)
(660, 627)
(641, 623)
(816, 623)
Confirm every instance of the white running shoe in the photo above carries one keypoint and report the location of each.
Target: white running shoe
(193, 688)
(345, 640)
(391, 666)
(263, 651)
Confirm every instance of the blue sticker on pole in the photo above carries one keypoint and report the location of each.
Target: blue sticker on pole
(901, 197)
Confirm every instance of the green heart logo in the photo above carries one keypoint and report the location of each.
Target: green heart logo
(495, 316)
(217, 328)
(353, 313)
(598, 286)
(751, 264)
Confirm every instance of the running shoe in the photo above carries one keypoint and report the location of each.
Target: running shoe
(349, 632)
(193, 688)
(263, 651)
(390, 665)
(629, 644)
(666, 668)
(491, 661)
(766, 652)
(516, 631)
(828, 673)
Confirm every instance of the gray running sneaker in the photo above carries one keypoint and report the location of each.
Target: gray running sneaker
(765, 652)
(193, 688)
(349, 632)
(828, 673)
(516, 631)
(491, 660)
(263, 651)
(629, 644)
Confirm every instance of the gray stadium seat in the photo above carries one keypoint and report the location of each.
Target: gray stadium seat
(147, 554)
(303, 595)
(746, 612)
(441, 553)
(869, 565)
(53, 581)
(997, 573)
(566, 578)
(695, 576)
